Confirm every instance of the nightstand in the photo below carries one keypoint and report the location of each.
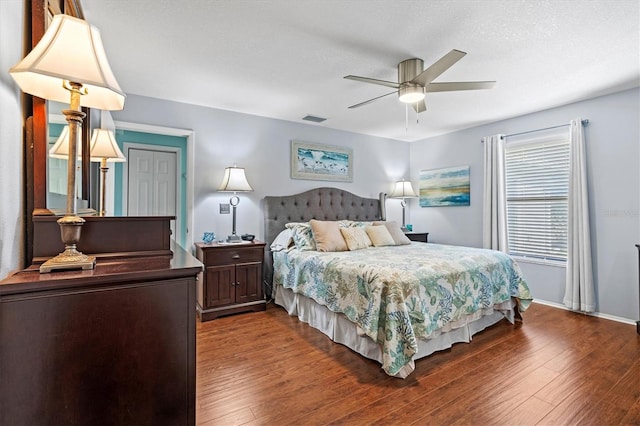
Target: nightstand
(422, 237)
(232, 279)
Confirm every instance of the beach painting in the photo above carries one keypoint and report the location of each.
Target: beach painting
(321, 162)
(445, 187)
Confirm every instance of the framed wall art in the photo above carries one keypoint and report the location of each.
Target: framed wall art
(445, 187)
(321, 162)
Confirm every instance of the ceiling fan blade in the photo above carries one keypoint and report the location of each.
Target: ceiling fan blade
(463, 85)
(371, 100)
(438, 67)
(419, 106)
(374, 81)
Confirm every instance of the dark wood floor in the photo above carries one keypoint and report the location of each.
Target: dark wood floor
(556, 368)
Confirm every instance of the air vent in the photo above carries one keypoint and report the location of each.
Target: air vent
(313, 118)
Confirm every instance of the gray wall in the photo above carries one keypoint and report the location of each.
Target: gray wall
(262, 146)
(613, 155)
(11, 199)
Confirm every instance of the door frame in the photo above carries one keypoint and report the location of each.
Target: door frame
(126, 146)
(190, 157)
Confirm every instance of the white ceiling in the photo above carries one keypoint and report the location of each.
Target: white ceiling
(285, 59)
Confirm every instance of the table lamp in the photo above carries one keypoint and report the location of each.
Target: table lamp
(403, 189)
(69, 65)
(104, 148)
(234, 180)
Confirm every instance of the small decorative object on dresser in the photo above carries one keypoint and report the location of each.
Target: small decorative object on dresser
(422, 237)
(232, 279)
(208, 237)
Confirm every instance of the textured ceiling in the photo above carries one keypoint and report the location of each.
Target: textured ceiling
(286, 59)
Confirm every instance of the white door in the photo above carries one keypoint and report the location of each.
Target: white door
(151, 188)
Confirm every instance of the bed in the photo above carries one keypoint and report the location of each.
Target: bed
(391, 303)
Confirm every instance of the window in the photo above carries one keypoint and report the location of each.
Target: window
(537, 186)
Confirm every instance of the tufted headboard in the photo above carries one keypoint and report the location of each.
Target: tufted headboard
(319, 203)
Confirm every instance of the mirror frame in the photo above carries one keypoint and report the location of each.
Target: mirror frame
(36, 121)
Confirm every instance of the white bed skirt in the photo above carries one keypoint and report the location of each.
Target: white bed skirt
(339, 329)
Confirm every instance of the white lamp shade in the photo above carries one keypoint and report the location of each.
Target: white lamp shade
(403, 189)
(70, 50)
(60, 149)
(104, 145)
(234, 180)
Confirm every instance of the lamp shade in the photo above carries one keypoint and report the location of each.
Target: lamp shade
(70, 51)
(104, 146)
(403, 189)
(60, 149)
(234, 180)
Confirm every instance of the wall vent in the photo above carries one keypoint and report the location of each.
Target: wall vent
(313, 118)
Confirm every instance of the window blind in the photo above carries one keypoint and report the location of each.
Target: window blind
(537, 186)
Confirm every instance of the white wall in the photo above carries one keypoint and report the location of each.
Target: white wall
(613, 152)
(262, 146)
(11, 153)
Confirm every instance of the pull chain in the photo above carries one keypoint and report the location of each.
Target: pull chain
(406, 117)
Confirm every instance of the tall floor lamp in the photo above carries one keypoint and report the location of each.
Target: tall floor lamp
(403, 189)
(104, 149)
(235, 181)
(69, 64)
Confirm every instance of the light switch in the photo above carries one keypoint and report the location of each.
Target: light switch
(225, 208)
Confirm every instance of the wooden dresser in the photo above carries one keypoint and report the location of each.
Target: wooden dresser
(232, 279)
(112, 345)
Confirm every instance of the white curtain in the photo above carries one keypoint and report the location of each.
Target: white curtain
(494, 217)
(579, 292)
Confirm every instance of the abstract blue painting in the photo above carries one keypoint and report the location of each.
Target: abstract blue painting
(445, 187)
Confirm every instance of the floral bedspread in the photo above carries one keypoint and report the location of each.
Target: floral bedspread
(399, 294)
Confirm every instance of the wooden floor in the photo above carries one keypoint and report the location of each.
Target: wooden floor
(558, 367)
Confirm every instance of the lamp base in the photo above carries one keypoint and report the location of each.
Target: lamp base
(234, 239)
(70, 258)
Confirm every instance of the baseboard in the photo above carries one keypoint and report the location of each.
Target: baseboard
(593, 314)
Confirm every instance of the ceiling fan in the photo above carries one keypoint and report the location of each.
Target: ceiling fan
(414, 81)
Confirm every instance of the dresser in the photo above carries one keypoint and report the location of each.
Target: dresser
(111, 345)
(232, 279)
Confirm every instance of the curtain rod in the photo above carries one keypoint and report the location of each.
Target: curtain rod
(584, 123)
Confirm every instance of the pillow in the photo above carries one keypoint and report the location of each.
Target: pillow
(357, 224)
(302, 235)
(327, 235)
(380, 236)
(356, 238)
(396, 233)
(283, 241)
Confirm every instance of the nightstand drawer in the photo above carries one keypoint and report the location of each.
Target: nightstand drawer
(232, 255)
(421, 237)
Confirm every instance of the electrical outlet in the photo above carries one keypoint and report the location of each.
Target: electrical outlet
(225, 208)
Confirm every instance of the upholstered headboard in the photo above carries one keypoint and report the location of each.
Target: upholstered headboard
(319, 203)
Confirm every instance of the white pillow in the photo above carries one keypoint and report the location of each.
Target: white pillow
(283, 241)
(380, 236)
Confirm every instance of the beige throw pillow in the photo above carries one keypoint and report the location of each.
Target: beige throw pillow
(379, 236)
(356, 238)
(327, 235)
(396, 233)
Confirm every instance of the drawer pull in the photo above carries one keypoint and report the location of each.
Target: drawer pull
(236, 256)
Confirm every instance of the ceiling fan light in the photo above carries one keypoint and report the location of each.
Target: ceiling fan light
(411, 94)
